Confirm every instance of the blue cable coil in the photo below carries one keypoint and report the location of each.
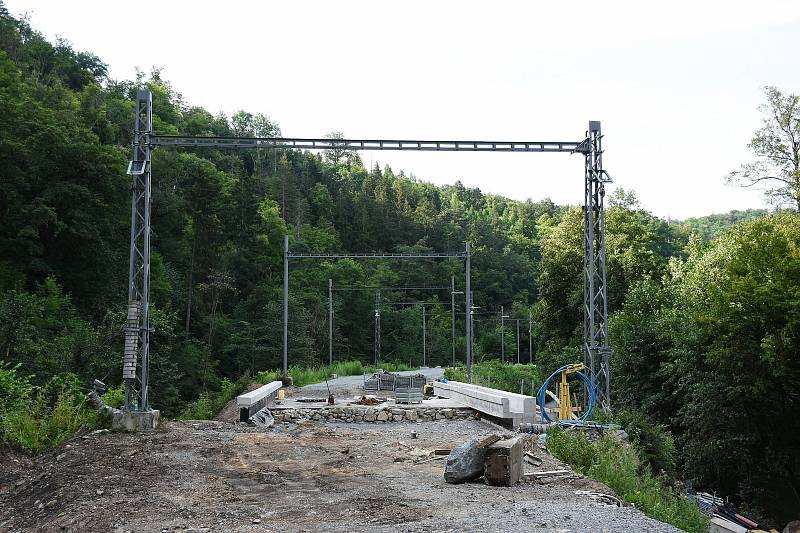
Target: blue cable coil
(590, 389)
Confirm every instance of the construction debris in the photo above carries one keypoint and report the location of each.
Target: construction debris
(547, 473)
(600, 497)
(488, 441)
(531, 459)
(369, 400)
(465, 462)
(435, 458)
(263, 418)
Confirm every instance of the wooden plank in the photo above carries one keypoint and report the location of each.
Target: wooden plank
(547, 473)
(436, 458)
(488, 441)
(554, 397)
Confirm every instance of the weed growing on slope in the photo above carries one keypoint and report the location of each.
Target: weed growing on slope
(625, 473)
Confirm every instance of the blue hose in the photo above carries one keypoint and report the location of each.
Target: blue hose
(592, 393)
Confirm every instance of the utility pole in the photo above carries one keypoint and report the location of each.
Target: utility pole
(530, 335)
(468, 297)
(330, 321)
(424, 347)
(377, 328)
(453, 293)
(518, 341)
(285, 305)
(453, 315)
(502, 334)
(470, 321)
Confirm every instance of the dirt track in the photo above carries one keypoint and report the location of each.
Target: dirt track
(221, 476)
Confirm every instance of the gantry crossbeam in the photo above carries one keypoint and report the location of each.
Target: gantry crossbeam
(366, 144)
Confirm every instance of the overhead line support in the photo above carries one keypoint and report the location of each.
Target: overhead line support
(188, 141)
(136, 356)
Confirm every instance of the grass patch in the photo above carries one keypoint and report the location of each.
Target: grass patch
(622, 470)
(303, 375)
(503, 376)
(209, 404)
(39, 418)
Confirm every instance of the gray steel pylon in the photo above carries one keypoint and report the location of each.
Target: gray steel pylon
(596, 349)
(136, 355)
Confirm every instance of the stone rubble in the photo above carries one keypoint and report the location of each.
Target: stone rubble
(372, 414)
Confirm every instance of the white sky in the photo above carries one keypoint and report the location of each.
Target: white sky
(676, 84)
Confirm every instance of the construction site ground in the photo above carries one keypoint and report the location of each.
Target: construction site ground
(337, 477)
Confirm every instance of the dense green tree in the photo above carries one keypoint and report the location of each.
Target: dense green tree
(776, 147)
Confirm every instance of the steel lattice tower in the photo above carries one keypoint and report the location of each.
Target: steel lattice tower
(136, 358)
(596, 350)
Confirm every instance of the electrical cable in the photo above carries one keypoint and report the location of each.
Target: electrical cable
(590, 389)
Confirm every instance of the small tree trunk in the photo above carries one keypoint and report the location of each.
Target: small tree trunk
(190, 288)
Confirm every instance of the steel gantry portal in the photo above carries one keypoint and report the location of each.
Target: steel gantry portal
(136, 354)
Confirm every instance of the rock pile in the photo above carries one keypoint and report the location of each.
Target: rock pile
(372, 415)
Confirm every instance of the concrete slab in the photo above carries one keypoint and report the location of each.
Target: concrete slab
(491, 404)
(252, 402)
(254, 396)
(518, 408)
(135, 420)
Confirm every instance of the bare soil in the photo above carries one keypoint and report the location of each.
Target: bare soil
(223, 476)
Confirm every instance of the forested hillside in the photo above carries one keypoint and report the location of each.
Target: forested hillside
(705, 315)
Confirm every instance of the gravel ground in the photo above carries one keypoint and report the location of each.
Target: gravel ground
(221, 476)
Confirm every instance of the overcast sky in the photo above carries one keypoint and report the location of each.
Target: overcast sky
(675, 84)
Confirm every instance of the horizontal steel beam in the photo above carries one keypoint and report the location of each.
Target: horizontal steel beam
(390, 289)
(362, 144)
(292, 255)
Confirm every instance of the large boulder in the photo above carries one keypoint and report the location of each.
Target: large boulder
(465, 463)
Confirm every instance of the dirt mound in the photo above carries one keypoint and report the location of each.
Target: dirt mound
(368, 401)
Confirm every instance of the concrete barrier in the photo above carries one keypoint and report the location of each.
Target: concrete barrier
(252, 402)
(501, 404)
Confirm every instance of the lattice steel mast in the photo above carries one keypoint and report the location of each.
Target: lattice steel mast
(596, 350)
(136, 354)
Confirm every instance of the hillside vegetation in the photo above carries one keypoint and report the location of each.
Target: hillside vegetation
(705, 315)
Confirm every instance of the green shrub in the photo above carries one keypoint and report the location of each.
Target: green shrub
(503, 376)
(578, 452)
(15, 390)
(266, 376)
(622, 470)
(115, 396)
(49, 415)
(302, 375)
(654, 443)
(208, 404)
(395, 366)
